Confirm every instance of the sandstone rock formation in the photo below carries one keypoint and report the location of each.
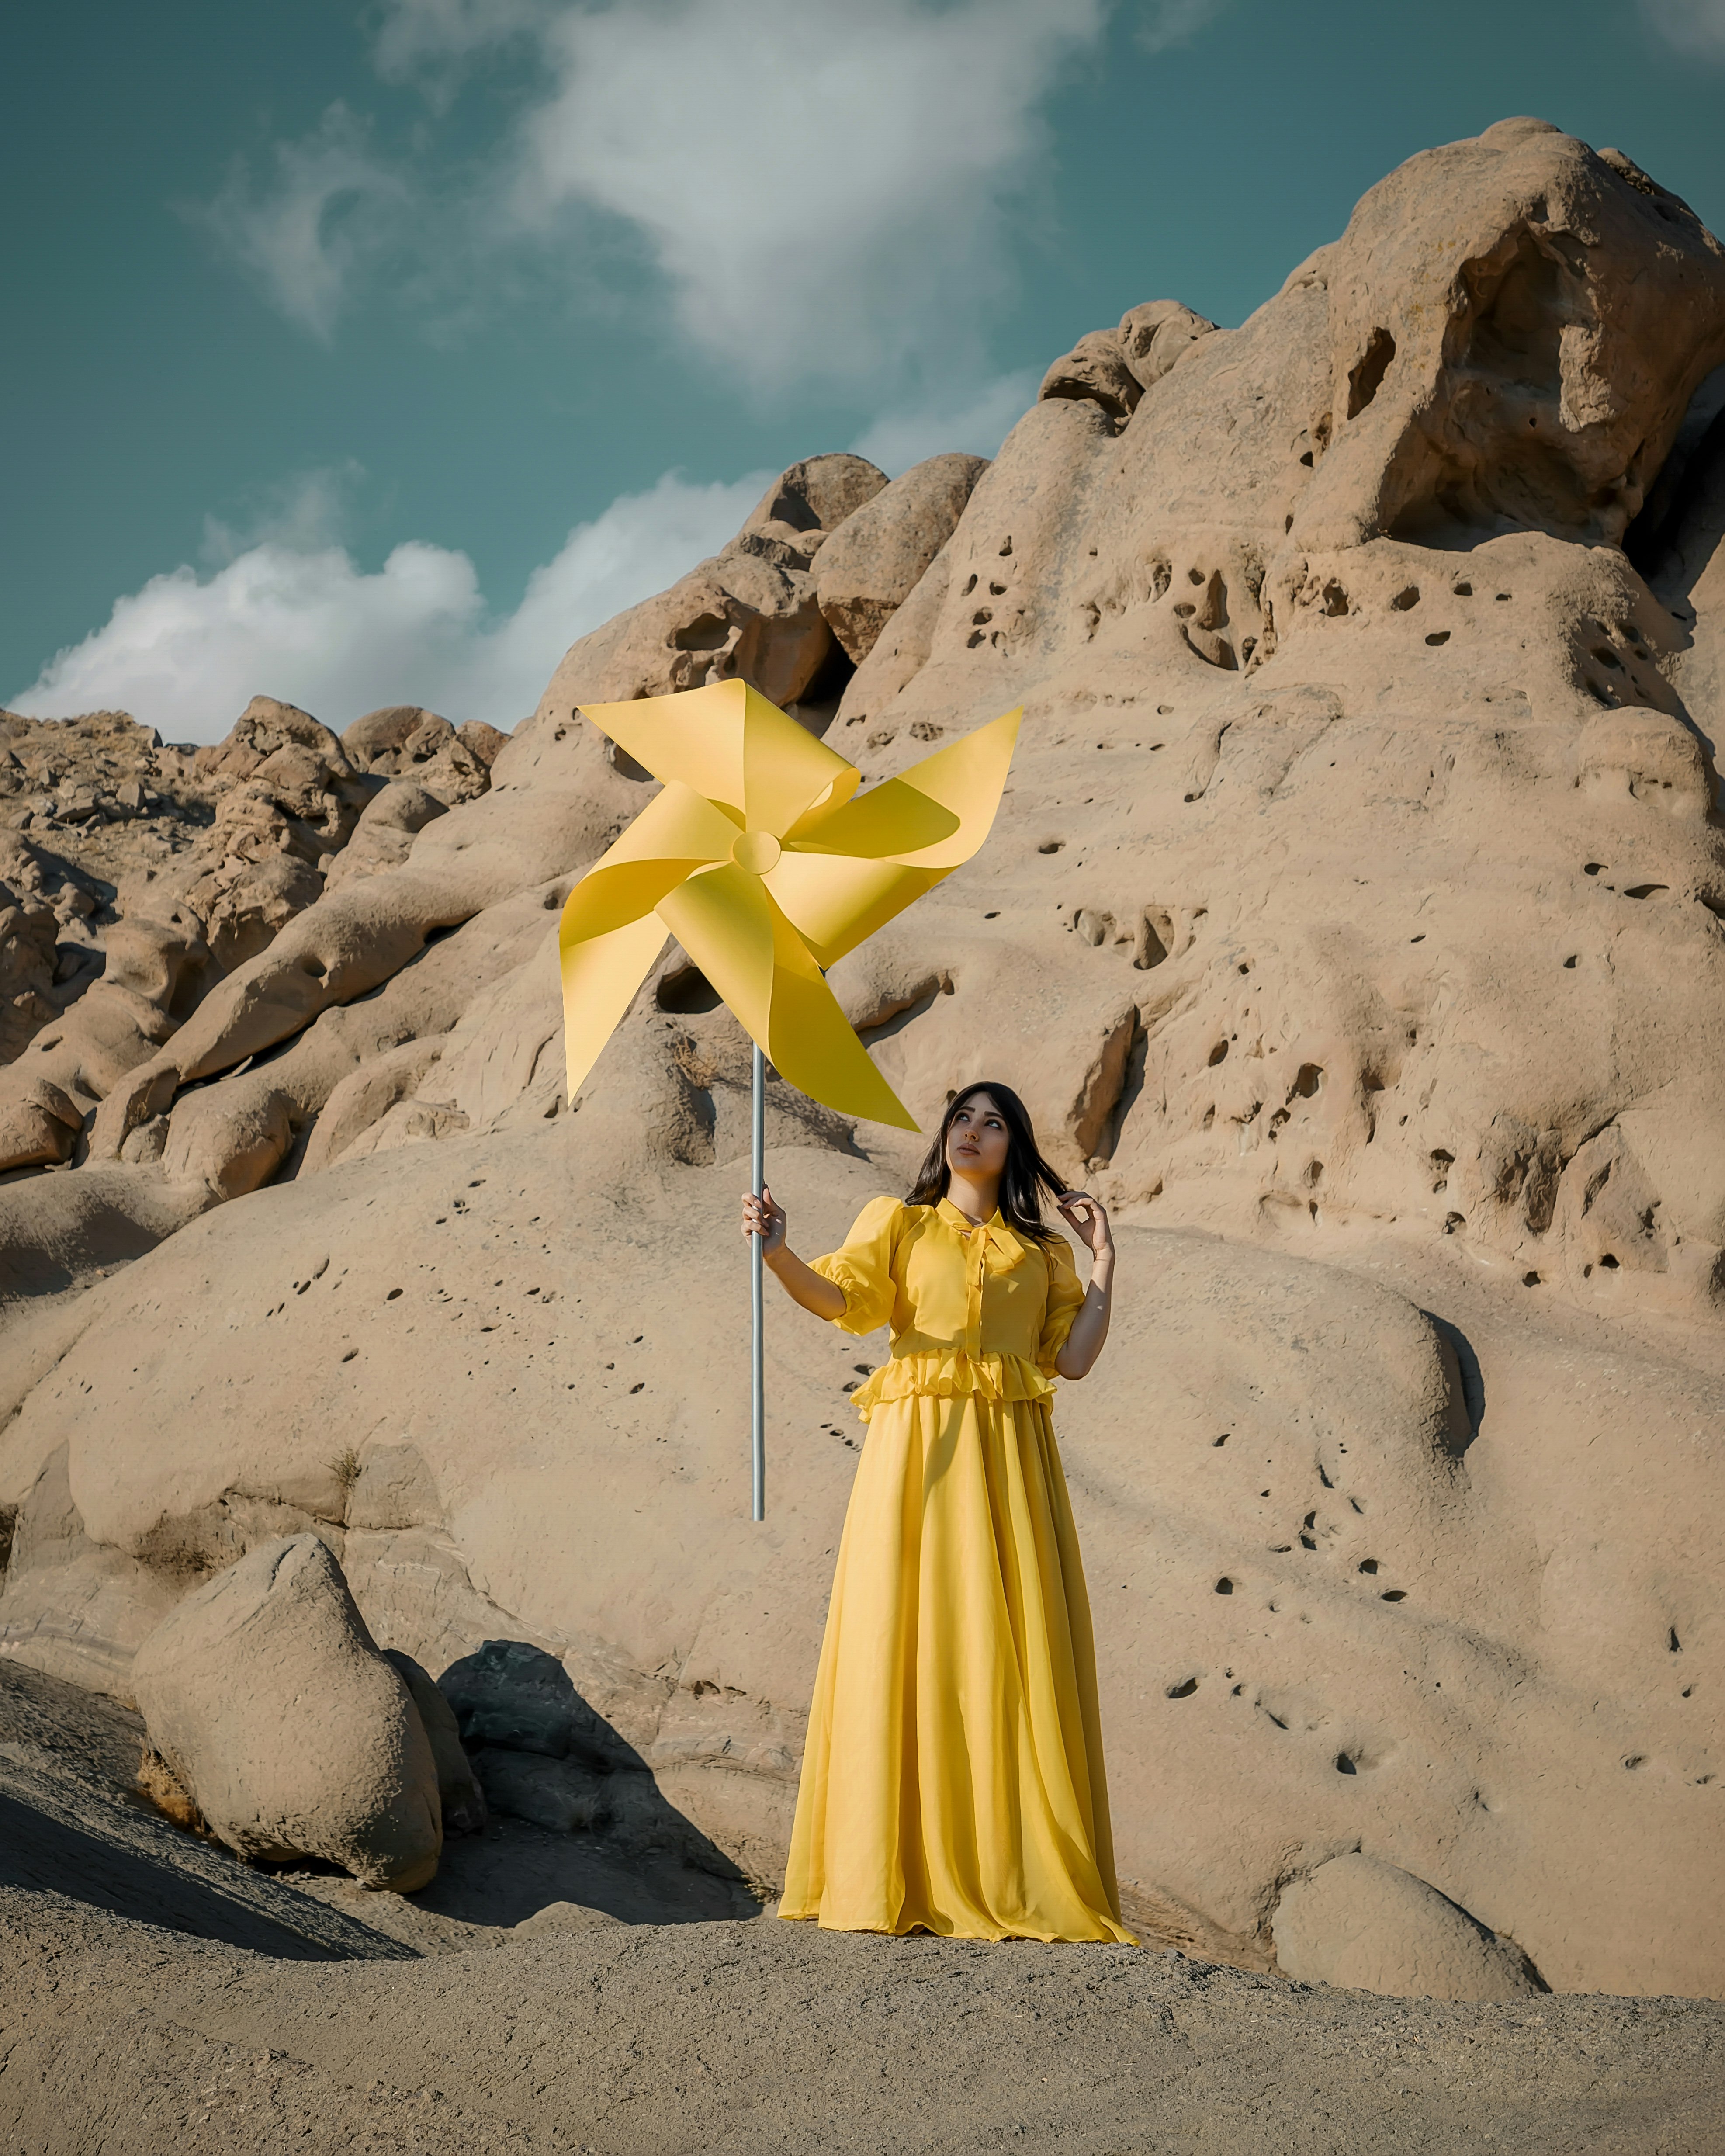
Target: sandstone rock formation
(878, 555)
(291, 1733)
(1371, 1928)
(1354, 925)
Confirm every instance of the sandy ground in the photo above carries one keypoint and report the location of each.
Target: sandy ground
(156, 1995)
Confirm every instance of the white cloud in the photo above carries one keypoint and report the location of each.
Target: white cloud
(426, 42)
(331, 205)
(977, 420)
(1696, 26)
(187, 653)
(823, 185)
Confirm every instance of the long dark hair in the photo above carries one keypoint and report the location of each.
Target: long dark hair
(1022, 1180)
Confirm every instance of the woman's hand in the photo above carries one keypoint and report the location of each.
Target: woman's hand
(1088, 1221)
(762, 1216)
(801, 1283)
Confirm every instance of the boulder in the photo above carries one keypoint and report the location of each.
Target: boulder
(1370, 1927)
(378, 739)
(1154, 337)
(293, 1736)
(875, 560)
(458, 1788)
(1096, 369)
(384, 835)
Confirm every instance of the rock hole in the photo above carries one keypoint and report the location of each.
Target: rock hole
(1608, 1263)
(1368, 372)
(1593, 868)
(1323, 1477)
(1314, 1174)
(1223, 1438)
(1194, 575)
(1462, 590)
(1307, 1080)
(1500, 597)
(1006, 545)
(1441, 1164)
(1530, 1280)
(1183, 1690)
(1406, 600)
(1569, 963)
(1335, 598)
(1051, 845)
(1607, 658)
(1645, 890)
(393, 1293)
(1368, 1564)
(970, 588)
(1452, 1221)
(1393, 1595)
(1345, 1763)
(1218, 1053)
(1635, 1759)
(687, 992)
(1305, 459)
(1224, 1586)
(1439, 636)
(1673, 1643)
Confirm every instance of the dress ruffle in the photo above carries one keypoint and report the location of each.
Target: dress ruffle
(948, 1374)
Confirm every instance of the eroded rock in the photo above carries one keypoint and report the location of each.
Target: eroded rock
(291, 1733)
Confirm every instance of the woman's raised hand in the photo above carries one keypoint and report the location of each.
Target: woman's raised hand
(1087, 1219)
(762, 1216)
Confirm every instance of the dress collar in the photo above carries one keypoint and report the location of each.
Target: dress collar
(948, 1211)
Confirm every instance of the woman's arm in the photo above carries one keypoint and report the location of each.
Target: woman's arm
(1089, 1327)
(801, 1283)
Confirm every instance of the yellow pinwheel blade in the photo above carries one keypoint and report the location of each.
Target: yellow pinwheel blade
(727, 743)
(674, 834)
(601, 974)
(935, 816)
(835, 902)
(728, 924)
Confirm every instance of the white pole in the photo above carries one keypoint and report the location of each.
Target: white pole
(758, 1397)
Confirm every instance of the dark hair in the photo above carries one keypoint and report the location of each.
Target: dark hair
(1025, 1177)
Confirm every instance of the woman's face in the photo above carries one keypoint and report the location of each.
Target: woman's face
(977, 1138)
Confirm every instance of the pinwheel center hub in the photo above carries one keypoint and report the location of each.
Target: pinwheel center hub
(758, 851)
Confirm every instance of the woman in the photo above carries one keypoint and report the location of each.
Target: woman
(953, 1779)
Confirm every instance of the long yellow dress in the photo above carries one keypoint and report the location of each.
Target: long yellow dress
(954, 1777)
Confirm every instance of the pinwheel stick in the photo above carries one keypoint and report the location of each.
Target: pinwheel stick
(757, 1396)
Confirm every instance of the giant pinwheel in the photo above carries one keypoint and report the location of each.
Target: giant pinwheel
(762, 861)
(757, 858)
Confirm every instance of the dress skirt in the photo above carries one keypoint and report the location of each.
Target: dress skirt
(953, 1779)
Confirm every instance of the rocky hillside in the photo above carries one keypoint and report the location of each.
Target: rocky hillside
(1354, 924)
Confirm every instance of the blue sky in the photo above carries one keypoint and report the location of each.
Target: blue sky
(362, 354)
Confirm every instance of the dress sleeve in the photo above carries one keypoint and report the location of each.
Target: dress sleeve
(862, 1269)
(1065, 1298)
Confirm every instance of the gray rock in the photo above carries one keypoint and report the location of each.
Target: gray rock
(1369, 1927)
(458, 1788)
(266, 1696)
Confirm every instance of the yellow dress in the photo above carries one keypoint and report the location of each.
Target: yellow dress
(954, 1777)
